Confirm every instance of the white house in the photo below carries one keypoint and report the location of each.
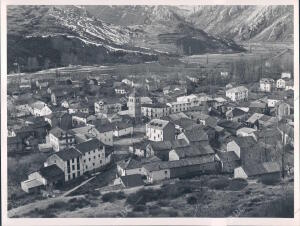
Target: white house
(286, 75)
(160, 130)
(266, 84)
(239, 93)
(156, 110)
(122, 129)
(281, 83)
(93, 154)
(179, 106)
(60, 139)
(39, 108)
(289, 85)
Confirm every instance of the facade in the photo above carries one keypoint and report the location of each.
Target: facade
(156, 110)
(93, 154)
(107, 108)
(179, 106)
(269, 170)
(160, 130)
(122, 129)
(280, 83)
(266, 84)
(239, 93)
(282, 109)
(60, 139)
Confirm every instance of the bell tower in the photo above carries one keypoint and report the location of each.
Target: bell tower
(134, 104)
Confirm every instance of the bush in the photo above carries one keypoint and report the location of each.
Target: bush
(139, 208)
(218, 184)
(269, 180)
(237, 184)
(192, 200)
(112, 196)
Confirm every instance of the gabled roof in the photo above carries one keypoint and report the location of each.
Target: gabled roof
(89, 145)
(262, 168)
(196, 134)
(253, 118)
(236, 112)
(245, 142)
(52, 173)
(193, 151)
(68, 154)
(237, 89)
(168, 145)
(158, 123)
(57, 132)
(39, 105)
(228, 156)
(133, 180)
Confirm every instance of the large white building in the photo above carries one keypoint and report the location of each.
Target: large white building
(179, 106)
(156, 110)
(281, 83)
(239, 93)
(160, 130)
(60, 139)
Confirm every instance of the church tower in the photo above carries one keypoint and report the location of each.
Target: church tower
(134, 104)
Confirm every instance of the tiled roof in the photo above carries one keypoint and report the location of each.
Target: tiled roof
(133, 180)
(68, 154)
(158, 123)
(89, 145)
(245, 142)
(237, 89)
(229, 156)
(196, 134)
(262, 168)
(52, 173)
(57, 132)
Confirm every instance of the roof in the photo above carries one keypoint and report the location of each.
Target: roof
(103, 127)
(68, 154)
(262, 168)
(193, 151)
(160, 165)
(52, 173)
(167, 145)
(89, 145)
(227, 124)
(196, 134)
(228, 156)
(158, 123)
(33, 183)
(38, 105)
(267, 80)
(257, 104)
(253, 118)
(185, 123)
(237, 89)
(133, 180)
(121, 125)
(245, 142)
(236, 112)
(57, 132)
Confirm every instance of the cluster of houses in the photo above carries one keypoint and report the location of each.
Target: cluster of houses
(232, 131)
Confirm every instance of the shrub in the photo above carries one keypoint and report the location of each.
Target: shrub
(139, 208)
(218, 184)
(269, 180)
(192, 200)
(237, 184)
(112, 196)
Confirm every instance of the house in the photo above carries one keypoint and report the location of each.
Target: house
(230, 126)
(146, 100)
(272, 100)
(281, 83)
(245, 131)
(289, 85)
(121, 90)
(194, 136)
(282, 109)
(101, 131)
(62, 120)
(156, 110)
(79, 106)
(127, 81)
(258, 121)
(270, 170)
(161, 149)
(175, 90)
(82, 119)
(39, 108)
(138, 149)
(60, 139)
(69, 161)
(160, 130)
(122, 129)
(287, 133)
(193, 99)
(286, 75)
(228, 160)
(239, 93)
(198, 117)
(193, 79)
(58, 95)
(266, 84)
(192, 151)
(93, 154)
(134, 166)
(129, 181)
(49, 176)
(108, 106)
(236, 115)
(246, 149)
(229, 86)
(258, 107)
(179, 106)
(157, 171)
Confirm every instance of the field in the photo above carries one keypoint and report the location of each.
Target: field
(204, 196)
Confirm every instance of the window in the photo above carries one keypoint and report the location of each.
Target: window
(69, 177)
(86, 167)
(94, 157)
(93, 164)
(72, 160)
(100, 161)
(74, 175)
(166, 172)
(89, 159)
(84, 161)
(99, 155)
(73, 167)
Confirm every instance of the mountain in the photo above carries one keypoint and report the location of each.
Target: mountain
(246, 23)
(40, 37)
(257, 23)
(47, 36)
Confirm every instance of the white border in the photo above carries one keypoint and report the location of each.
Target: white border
(144, 221)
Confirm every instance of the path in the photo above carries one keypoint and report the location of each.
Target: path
(42, 204)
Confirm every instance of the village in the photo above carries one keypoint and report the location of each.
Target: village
(149, 130)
